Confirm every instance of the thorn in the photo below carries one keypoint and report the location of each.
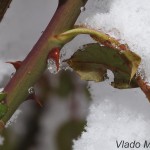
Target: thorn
(16, 64)
(34, 97)
(55, 55)
(37, 100)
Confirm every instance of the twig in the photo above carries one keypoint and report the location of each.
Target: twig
(35, 63)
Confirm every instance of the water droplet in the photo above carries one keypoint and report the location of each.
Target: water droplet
(55, 56)
(51, 65)
(82, 9)
(31, 90)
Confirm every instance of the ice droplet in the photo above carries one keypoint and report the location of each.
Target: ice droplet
(82, 9)
(51, 66)
(31, 90)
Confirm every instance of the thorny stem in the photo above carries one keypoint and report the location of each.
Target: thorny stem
(35, 63)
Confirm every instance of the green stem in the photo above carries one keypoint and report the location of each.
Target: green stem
(35, 63)
(97, 35)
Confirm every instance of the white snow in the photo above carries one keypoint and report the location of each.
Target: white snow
(108, 124)
(128, 20)
(114, 115)
(118, 114)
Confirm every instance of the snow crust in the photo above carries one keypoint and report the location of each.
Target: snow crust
(114, 115)
(108, 124)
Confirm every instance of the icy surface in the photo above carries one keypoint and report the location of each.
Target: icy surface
(51, 66)
(126, 20)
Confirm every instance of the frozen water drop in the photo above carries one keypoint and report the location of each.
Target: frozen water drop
(51, 65)
(82, 9)
(31, 90)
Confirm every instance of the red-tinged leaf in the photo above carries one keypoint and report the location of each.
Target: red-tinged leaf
(92, 62)
(55, 55)
(16, 64)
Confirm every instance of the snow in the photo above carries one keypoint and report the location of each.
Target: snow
(126, 20)
(108, 124)
(118, 114)
(114, 115)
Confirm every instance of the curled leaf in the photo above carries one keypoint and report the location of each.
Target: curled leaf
(92, 62)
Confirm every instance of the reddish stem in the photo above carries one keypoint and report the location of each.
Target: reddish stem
(35, 63)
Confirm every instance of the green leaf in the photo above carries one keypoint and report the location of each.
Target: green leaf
(92, 62)
(68, 132)
(2, 96)
(3, 110)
